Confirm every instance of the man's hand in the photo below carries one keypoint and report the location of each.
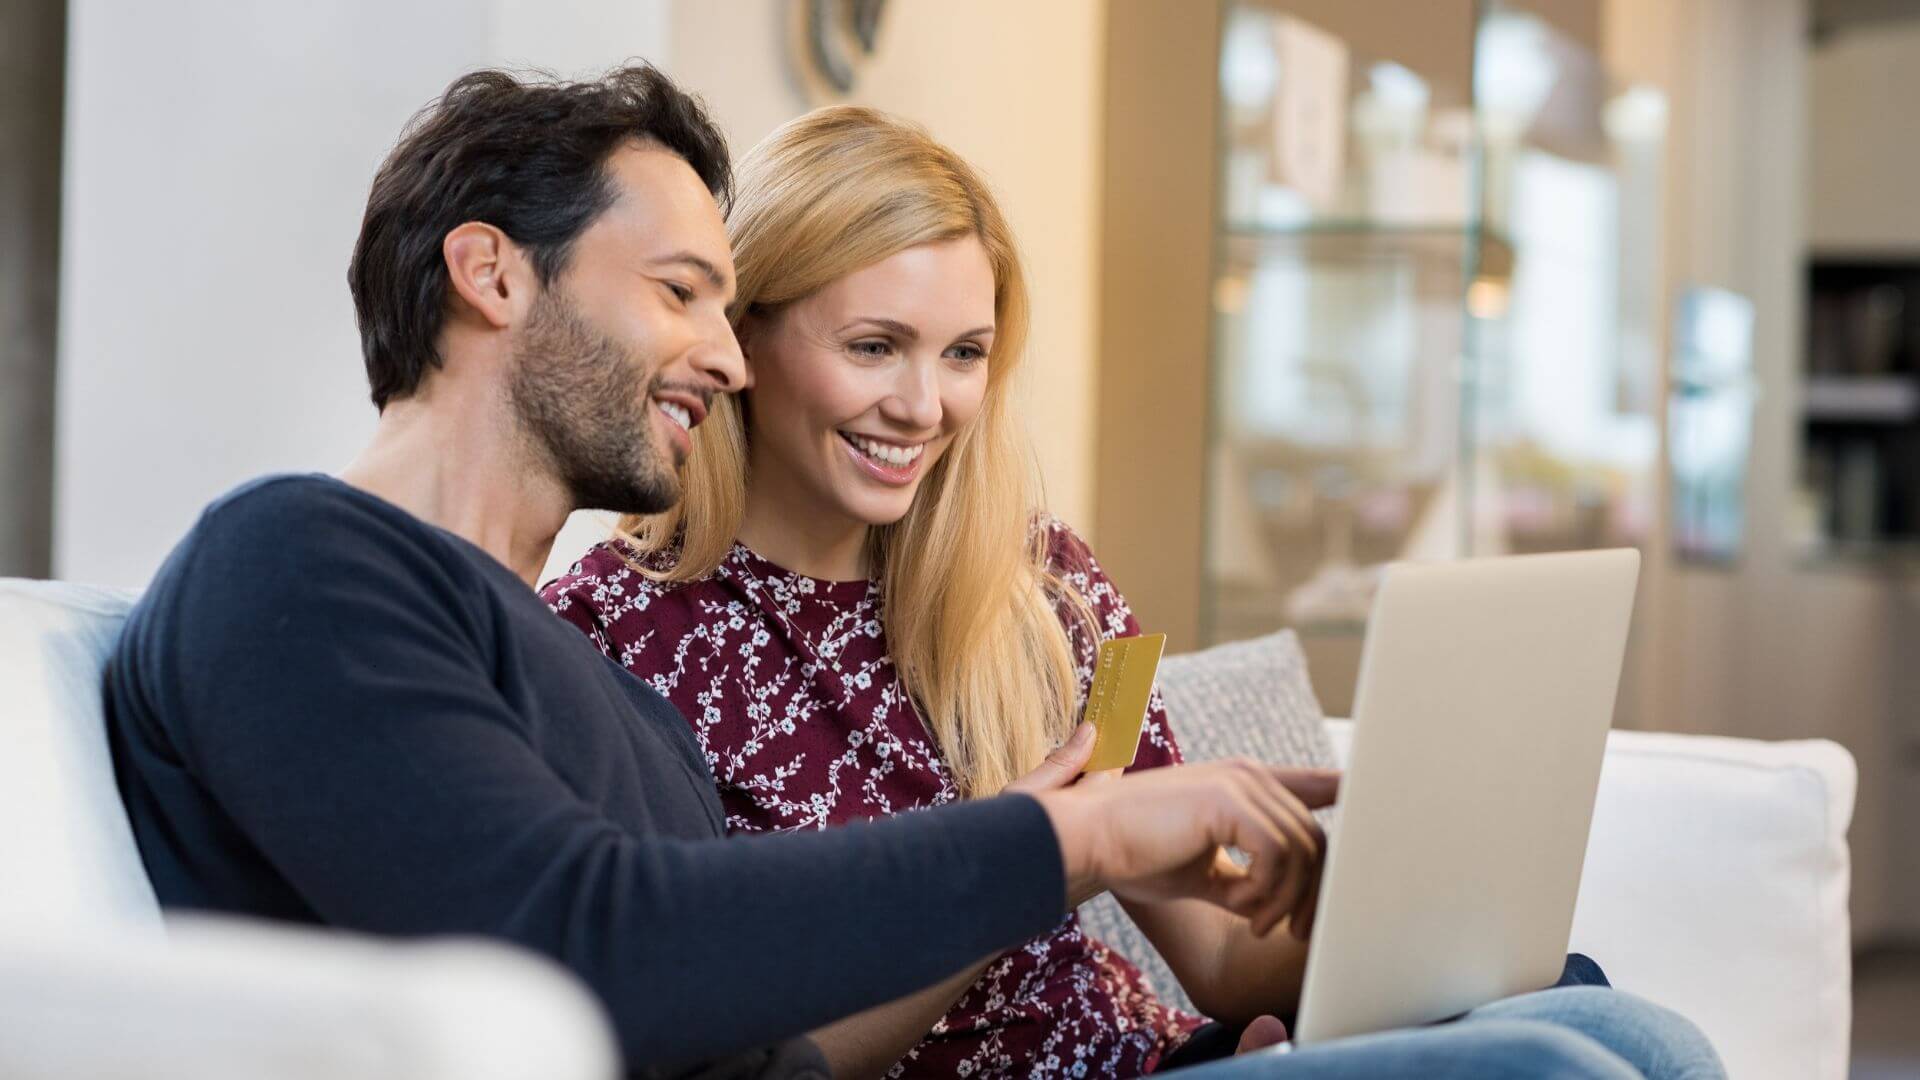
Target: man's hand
(1157, 835)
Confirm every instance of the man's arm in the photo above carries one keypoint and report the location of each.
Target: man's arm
(339, 710)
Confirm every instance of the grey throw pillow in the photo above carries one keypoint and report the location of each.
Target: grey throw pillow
(1244, 699)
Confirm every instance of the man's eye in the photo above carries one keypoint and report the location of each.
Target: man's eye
(684, 294)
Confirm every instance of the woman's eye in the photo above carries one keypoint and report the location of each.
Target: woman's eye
(872, 348)
(968, 355)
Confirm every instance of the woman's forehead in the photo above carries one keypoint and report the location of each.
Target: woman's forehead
(946, 282)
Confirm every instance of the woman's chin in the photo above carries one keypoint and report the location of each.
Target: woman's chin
(878, 513)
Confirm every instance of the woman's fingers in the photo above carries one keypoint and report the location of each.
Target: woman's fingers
(1061, 766)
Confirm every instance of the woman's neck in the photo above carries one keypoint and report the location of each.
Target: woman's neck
(781, 525)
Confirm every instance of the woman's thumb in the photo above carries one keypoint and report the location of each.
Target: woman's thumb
(1061, 766)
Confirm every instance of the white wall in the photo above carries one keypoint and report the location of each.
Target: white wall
(218, 159)
(1013, 85)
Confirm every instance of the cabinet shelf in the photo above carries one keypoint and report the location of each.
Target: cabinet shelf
(1860, 399)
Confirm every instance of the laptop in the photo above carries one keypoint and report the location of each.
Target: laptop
(1486, 691)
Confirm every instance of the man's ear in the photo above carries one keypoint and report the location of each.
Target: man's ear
(490, 275)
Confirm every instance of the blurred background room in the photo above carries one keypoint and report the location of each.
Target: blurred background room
(1318, 284)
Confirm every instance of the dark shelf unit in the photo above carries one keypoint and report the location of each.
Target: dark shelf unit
(1860, 402)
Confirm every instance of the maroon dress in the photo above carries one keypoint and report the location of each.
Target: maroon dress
(787, 683)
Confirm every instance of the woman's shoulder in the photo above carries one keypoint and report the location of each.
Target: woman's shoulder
(1069, 556)
(614, 582)
(1070, 559)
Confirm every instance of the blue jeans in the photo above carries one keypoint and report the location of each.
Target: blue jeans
(1572, 1032)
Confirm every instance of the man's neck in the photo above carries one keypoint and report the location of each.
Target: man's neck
(779, 526)
(449, 456)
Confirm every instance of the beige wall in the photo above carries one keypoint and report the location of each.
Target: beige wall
(1012, 85)
(1864, 162)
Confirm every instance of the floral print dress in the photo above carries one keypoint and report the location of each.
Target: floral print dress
(788, 686)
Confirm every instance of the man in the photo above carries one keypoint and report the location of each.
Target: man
(340, 702)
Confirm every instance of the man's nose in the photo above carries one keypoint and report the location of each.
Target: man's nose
(719, 359)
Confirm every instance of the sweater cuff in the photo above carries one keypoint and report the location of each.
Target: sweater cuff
(1023, 866)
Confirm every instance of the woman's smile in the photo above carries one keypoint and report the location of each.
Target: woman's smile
(892, 463)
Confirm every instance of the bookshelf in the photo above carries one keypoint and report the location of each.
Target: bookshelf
(1860, 405)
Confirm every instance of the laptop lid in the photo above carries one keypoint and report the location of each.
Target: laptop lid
(1486, 691)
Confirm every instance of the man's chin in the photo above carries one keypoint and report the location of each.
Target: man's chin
(654, 494)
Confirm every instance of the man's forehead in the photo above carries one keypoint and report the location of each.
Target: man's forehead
(661, 206)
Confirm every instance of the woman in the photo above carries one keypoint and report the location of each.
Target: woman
(861, 610)
(882, 310)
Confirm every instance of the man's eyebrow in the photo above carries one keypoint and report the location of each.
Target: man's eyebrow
(707, 269)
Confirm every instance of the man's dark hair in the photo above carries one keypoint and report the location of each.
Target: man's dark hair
(527, 156)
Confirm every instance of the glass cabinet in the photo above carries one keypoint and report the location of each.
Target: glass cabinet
(1435, 319)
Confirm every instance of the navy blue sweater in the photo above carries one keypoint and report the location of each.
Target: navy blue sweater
(326, 711)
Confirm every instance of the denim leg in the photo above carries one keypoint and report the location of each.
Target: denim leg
(1473, 1049)
(1658, 1042)
(1580, 970)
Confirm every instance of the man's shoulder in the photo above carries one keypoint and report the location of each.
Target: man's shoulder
(290, 541)
(296, 502)
(306, 523)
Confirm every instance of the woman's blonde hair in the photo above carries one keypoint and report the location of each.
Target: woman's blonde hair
(967, 595)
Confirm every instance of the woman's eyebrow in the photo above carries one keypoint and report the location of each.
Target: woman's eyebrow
(892, 326)
(910, 333)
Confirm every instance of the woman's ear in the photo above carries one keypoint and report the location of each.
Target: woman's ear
(744, 331)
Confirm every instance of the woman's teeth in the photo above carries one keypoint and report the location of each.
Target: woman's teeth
(678, 414)
(898, 457)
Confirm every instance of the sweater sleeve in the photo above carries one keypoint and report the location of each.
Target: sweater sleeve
(331, 680)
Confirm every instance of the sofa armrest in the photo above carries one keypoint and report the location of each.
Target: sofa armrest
(221, 1000)
(1716, 884)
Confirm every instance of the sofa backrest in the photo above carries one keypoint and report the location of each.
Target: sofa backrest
(67, 854)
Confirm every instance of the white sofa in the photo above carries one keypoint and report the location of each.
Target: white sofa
(1716, 883)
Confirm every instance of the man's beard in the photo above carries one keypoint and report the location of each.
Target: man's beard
(578, 398)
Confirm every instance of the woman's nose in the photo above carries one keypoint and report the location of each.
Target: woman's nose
(916, 397)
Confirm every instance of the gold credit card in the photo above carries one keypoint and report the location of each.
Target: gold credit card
(1117, 701)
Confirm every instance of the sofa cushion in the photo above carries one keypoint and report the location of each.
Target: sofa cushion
(1248, 699)
(221, 999)
(1716, 883)
(67, 854)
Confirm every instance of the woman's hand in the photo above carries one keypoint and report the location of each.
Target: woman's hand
(1060, 767)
